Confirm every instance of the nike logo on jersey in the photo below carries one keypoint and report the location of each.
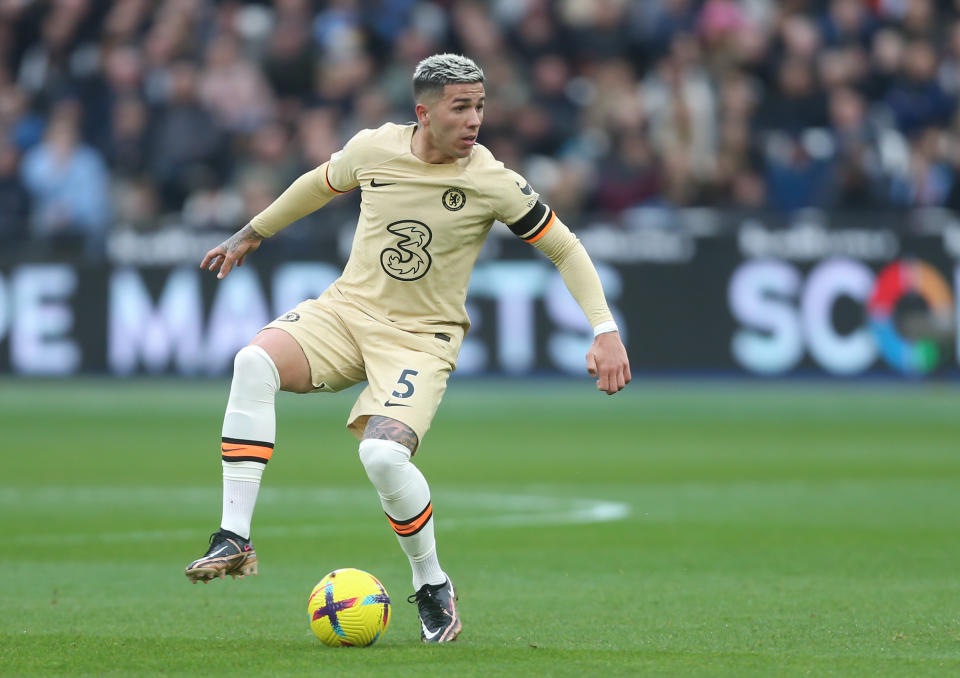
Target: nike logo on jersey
(389, 404)
(374, 184)
(230, 449)
(525, 189)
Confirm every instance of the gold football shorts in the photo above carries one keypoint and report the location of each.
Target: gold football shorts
(406, 372)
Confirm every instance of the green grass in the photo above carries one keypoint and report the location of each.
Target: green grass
(673, 530)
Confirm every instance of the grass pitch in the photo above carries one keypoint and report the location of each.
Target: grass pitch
(672, 530)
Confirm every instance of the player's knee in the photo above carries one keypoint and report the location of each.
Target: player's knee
(381, 458)
(253, 366)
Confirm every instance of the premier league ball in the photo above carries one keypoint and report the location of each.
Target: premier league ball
(349, 607)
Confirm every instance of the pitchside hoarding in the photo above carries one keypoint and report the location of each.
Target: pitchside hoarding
(708, 294)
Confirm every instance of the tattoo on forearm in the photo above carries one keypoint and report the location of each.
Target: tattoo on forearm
(247, 233)
(235, 241)
(385, 428)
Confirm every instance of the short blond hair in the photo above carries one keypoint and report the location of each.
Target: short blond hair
(436, 72)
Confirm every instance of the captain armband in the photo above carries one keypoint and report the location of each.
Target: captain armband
(534, 224)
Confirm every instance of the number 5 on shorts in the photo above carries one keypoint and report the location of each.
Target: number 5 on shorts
(406, 383)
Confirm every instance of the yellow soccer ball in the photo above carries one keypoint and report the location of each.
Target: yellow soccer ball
(349, 607)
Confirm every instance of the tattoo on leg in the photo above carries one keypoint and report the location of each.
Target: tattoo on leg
(385, 428)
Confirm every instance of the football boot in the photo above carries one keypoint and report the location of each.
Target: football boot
(437, 605)
(228, 554)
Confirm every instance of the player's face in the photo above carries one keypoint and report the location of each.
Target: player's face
(452, 122)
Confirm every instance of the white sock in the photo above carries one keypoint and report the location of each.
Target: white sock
(405, 497)
(239, 500)
(249, 431)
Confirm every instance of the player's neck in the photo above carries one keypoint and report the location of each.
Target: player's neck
(421, 147)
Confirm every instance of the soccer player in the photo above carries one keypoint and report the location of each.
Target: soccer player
(395, 318)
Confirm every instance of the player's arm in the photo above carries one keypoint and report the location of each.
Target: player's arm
(232, 251)
(307, 194)
(607, 358)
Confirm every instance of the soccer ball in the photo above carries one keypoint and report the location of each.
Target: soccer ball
(349, 607)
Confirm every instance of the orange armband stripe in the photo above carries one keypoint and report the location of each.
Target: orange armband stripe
(543, 230)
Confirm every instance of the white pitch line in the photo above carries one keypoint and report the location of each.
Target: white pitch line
(457, 509)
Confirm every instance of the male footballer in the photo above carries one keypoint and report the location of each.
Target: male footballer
(395, 318)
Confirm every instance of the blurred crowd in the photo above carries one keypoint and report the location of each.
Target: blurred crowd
(138, 114)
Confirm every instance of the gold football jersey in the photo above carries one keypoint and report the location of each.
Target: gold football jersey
(421, 226)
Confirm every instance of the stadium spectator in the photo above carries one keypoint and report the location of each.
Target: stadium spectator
(847, 22)
(269, 152)
(69, 185)
(125, 21)
(799, 169)
(120, 78)
(14, 199)
(536, 32)
(930, 177)
(49, 67)
(919, 20)
(599, 31)
(858, 179)
(289, 63)
(233, 89)
(21, 124)
(681, 107)
(795, 104)
(630, 176)
(318, 136)
(187, 143)
(916, 98)
(663, 20)
(549, 75)
(128, 137)
(739, 182)
(886, 58)
(948, 73)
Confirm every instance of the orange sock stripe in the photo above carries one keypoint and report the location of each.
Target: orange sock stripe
(245, 452)
(407, 528)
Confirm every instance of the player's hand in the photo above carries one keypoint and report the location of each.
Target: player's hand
(232, 251)
(607, 361)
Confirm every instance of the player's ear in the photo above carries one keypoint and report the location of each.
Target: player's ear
(422, 114)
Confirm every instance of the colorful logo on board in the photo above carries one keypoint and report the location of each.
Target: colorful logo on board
(917, 356)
